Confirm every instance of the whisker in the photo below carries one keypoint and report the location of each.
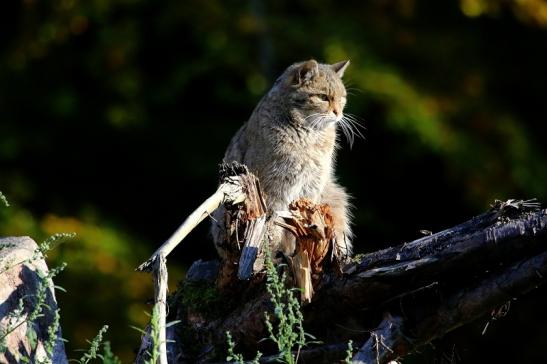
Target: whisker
(356, 127)
(321, 119)
(355, 120)
(348, 83)
(317, 120)
(351, 127)
(352, 134)
(354, 89)
(347, 132)
(315, 114)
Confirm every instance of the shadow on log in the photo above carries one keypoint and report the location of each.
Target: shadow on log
(391, 301)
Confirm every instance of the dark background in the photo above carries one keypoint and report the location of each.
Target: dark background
(115, 114)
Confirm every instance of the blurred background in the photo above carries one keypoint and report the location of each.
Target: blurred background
(115, 114)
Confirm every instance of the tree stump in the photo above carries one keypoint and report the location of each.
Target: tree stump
(394, 300)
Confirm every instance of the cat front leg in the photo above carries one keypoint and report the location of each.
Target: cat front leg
(339, 201)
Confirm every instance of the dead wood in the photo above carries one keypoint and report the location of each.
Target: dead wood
(312, 226)
(245, 226)
(425, 318)
(230, 191)
(395, 299)
(418, 291)
(508, 232)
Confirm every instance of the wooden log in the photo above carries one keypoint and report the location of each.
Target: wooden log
(502, 235)
(426, 319)
(505, 235)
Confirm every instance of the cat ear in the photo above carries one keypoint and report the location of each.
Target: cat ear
(305, 72)
(340, 67)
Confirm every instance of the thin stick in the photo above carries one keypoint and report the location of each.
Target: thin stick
(160, 297)
(229, 191)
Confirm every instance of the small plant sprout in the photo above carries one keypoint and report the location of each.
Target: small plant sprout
(232, 355)
(93, 352)
(349, 353)
(3, 200)
(285, 326)
(50, 243)
(289, 334)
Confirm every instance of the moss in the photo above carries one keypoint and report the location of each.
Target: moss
(204, 300)
(201, 297)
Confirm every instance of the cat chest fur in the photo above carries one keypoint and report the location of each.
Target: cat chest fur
(294, 164)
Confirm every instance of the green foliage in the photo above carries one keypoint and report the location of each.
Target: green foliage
(17, 317)
(37, 302)
(50, 243)
(38, 305)
(154, 351)
(38, 311)
(93, 351)
(102, 260)
(3, 200)
(349, 353)
(108, 356)
(288, 332)
(49, 344)
(285, 327)
(32, 336)
(238, 358)
(13, 319)
(232, 355)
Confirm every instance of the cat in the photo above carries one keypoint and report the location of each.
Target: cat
(289, 142)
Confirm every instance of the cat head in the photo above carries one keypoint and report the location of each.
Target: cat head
(315, 94)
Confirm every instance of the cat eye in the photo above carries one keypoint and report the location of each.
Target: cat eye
(322, 97)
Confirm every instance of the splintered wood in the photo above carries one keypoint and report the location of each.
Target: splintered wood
(312, 225)
(254, 213)
(245, 226)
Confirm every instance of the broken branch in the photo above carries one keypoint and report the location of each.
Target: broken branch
(228, 192)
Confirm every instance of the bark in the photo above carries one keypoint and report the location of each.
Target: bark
(505, 234)
(391, 301)
(415, 292)
(425, 320)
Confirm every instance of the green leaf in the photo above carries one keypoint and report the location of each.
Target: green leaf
(32, 337)
(138, 329)
(171, 323)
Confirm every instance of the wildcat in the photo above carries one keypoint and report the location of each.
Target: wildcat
(289, 142)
